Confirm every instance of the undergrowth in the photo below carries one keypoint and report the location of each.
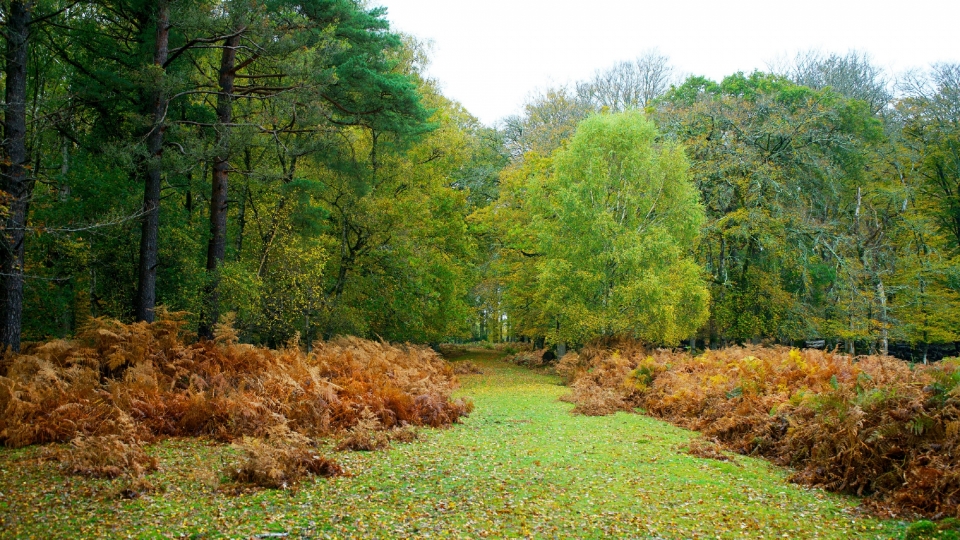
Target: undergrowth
(706, 448)
(103, 456)
(466, 367)
(279, 460)
(118, 384)
(868, 425)
(532, 358)
(520, 467)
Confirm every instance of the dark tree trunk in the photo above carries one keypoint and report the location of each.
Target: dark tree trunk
(216, 249)
(16, 183)
(147, 285)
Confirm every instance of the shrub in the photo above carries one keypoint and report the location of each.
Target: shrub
(142, 381)
(405, 434)
(513, 347)
(134, 488)
(367, 435)
(104, 456)
(466, 367)
(593, 400)
(705, 448)
(280, 460)
(451, 350)
(532, 358)
(868, 425)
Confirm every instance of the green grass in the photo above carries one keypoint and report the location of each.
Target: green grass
(521, 465)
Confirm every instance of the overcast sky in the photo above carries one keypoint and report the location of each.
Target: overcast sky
(490, 54)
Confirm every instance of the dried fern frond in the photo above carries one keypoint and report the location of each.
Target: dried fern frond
(869, 425)
(280, 460)
(105, 456)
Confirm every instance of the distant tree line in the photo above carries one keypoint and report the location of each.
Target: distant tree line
(831, 196)
(286, 166)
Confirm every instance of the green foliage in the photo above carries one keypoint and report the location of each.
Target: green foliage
(828, 208)
(946, 529)
(615, 221)
(780, 168)
(349, 175)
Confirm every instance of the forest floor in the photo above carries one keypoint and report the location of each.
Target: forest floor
(521, 465)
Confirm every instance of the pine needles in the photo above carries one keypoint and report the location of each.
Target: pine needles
(868, 425)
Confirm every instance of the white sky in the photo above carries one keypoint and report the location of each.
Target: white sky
(491, 54)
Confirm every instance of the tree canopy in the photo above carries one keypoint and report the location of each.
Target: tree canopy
(288, 165)
(616, 222)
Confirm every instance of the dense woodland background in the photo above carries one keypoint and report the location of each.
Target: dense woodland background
(287, 164)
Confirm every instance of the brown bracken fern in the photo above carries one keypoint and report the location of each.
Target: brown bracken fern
(869, 425)
(143, 381)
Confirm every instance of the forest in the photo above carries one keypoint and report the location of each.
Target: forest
(289, 164)
(263, 223)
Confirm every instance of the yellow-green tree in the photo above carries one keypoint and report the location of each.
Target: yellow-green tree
(617, 222)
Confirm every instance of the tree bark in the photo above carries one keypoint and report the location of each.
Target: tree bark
(150, 232)
(16, 183)
(216, 249)
(884, 338)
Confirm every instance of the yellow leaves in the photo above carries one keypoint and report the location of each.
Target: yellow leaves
(797, 359)
(717, 380)
(952, 429)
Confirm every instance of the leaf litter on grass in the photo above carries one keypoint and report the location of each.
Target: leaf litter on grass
(867, 425)
(520, 466)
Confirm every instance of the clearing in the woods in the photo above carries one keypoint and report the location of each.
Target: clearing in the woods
(521, 465)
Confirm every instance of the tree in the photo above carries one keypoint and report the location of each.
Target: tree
(27, 118)
(628, 85)
(550, 117)
(852, 75)
(17, 183)
(930, 114)
(509, 239)
(783, 171)
(926, 286)
(925, 281)
(157, 104)
(617, 221)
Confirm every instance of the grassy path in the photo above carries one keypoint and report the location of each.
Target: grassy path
(521, 465)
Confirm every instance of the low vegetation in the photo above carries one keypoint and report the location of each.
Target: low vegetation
(868, 425)
(103, 456)
(279, 460)
(119, 384)
(520, 466)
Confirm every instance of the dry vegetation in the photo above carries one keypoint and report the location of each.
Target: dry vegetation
(705, 448)
(466, 367)
(279, 460)
(868, 425)
(103, 456)
(116, 385)
(532, 358)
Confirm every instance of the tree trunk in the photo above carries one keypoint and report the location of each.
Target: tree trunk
(884, 336)
(216, 249)
(16, 183)
(150, 232)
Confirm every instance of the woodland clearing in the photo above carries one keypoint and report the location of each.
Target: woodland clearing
(520, 466)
